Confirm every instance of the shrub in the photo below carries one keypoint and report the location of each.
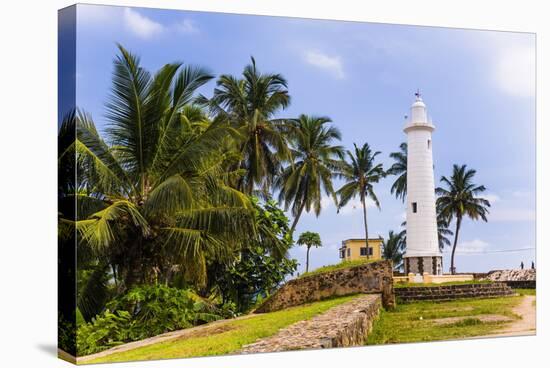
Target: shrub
(143, 312)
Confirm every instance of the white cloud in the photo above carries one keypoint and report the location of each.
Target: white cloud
(521, 194)
(141, 25)
(187, 26)
(512, 214)
(471, 247)
(514, 66)
(331, 64)
(491, 197)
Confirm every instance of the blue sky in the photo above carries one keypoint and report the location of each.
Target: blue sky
(479, 87)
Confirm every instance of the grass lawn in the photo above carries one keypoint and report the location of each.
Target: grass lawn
(526, 291)
(414, 322)
(338, 266)
(419, 284)
(229, 337)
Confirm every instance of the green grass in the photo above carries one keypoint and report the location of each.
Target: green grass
(414, 284)
(414, 322)
(338, 266)
(230, 336)
(526, 291)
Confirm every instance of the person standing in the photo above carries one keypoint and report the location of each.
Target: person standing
(521, 265)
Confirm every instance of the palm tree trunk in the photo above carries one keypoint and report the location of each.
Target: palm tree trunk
(295, 222)
(458, 221)
(307, 258)
(365, 222)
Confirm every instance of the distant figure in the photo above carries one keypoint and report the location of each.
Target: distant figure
(521, 265)
(532, 265)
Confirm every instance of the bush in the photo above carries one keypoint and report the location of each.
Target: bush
(143, 312)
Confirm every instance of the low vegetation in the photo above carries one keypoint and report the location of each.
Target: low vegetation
(526, 291)
(416, 322)
(228, 336)
(338, 266)
(144, 312)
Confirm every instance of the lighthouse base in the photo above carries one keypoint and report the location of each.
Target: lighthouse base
(419, 265)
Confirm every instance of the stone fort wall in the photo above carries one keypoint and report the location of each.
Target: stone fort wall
(375, 277)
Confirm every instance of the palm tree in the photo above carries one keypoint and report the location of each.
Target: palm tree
(360, 174)
(443, 231)
(459, 199)
(250, 105)
(154, 193)
(309, 239)
(394, 247)
(315, 160)
(399, 187)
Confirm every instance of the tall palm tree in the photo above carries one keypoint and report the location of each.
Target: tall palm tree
(154, 193)
(309, 239)
(250, 104)
(399, 187)
(360, 174)
(459, 199)
(393, 248)
(315, 159)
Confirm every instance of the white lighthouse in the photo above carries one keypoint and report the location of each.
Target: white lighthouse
(422, 253)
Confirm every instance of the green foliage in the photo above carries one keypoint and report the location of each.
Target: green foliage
(249, 105)
(393, 248)
(315, 161)
(103, 332)
(337, 266)
(399, 168)
(143, 312)
(66, 334)
(261, 266)
(360, 172)
(309, 239)
(153, 190)
(459, 198)
(93, 291)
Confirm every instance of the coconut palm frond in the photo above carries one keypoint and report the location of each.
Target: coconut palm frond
(101, 229)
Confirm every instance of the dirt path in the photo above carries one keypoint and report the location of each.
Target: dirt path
(528, 322)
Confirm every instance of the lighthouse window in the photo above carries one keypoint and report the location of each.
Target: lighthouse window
(414, 207)
(429, 143)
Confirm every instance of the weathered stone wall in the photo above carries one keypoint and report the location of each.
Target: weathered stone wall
(345, 325)
(512, 275)
(521, 284)
(375, 277)
(452, 292)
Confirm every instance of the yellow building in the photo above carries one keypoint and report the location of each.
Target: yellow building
(356, 249)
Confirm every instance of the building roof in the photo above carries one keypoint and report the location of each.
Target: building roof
(363, 239)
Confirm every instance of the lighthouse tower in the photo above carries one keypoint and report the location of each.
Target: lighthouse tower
(422, 253)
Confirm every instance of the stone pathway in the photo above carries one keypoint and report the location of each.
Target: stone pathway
(344, 325)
